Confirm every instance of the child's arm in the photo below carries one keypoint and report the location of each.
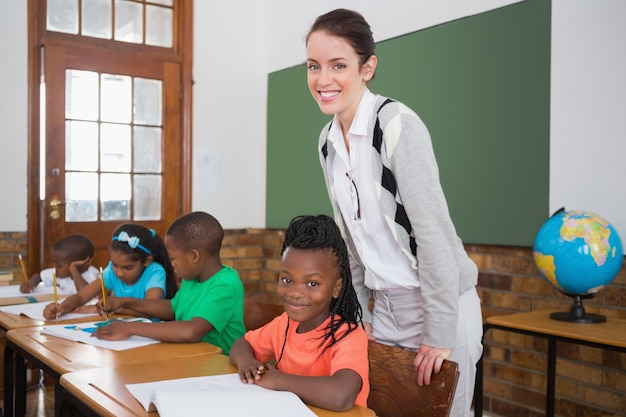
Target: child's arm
(76, 272)
(337, 392)
(27, 287)
(159, 308)
(54, 311)
(184, 331)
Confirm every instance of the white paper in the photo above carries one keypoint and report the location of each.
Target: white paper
(223, 395)
(10, 291)
(35, 311)
(81, 332)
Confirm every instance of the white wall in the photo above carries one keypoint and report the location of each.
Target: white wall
(588, 106)
(13, 111)
(239, 42)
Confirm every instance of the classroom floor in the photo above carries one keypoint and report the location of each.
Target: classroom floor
(40, 401)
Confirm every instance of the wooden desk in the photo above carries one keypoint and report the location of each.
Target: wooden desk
(609, 335)
(56, 356)
(102, 392)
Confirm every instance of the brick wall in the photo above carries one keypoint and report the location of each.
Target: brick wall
(11, 245)
(589, 381)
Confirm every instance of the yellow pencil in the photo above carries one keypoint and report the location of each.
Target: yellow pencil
(104, 293)
(23, 268)
(54, 284)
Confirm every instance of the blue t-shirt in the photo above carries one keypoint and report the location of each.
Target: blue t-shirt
(153, 277)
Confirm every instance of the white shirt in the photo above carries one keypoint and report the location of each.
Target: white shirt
(66, 284)
(385, 265)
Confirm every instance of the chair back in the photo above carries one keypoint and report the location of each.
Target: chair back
(257, 313)
(393, 385)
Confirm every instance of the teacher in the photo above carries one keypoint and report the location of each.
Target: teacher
(383, 182)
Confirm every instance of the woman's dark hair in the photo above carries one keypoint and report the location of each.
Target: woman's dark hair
(320, 233)
(147, 243)
(350, 26)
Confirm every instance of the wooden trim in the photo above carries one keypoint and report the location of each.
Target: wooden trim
(186, 37)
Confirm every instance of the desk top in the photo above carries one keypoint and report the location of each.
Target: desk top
(63, 355)
(104, 391)
(610, 333)
(10, 321)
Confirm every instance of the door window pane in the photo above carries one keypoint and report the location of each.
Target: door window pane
(128, 21)
(115, 148)
(147, 150)
(147, 194)
(158, 26)
(81, 95)
(81, 146)
(62, 16)
(115, 98)
(96, 20)
(81, 197)
(147, 103)
(115, 196)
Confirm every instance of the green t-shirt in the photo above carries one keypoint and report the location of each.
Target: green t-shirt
(218, 300)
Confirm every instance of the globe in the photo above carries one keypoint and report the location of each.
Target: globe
(578, 252)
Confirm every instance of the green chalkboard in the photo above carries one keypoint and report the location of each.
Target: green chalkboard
(482, 86)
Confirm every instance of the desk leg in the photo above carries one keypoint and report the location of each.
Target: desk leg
(551, 377)
(20, 385)
(8, 380)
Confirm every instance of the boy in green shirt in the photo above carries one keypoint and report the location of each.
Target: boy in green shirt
(209, 304)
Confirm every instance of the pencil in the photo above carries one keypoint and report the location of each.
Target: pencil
(23, 267)
(104, 293)
(54, 284)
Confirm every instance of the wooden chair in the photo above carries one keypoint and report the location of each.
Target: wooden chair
(393, 385)
(257, 313)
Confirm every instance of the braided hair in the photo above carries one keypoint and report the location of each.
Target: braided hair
(322, 234)
(150, 244)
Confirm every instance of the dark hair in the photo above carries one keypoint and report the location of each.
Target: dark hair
(350, 26)
(149, 244)
(197, 230)
(320, 233)
(77, 246)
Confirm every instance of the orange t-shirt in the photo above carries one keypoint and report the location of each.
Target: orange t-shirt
(303, 354)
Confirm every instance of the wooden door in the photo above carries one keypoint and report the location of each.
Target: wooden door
(112, 145)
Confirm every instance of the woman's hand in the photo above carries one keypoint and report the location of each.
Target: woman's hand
(429, 359)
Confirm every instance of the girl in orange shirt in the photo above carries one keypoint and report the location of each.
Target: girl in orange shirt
(317, 348)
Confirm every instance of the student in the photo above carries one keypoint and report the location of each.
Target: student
(317, 348)
(139, 267)
(382, 178)
(209, 303)
(71, 257)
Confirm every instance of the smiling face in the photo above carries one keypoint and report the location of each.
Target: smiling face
(335, 75)
(308, 281)
(127, 267)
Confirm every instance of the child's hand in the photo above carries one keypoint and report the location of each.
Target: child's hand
(53, 311)
(80, 265)
(88, 309)
(113, 331)
(113, 304)
(252, 372)
(26, 288)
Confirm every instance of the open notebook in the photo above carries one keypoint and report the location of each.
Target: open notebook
(81, 332)
(222, 395)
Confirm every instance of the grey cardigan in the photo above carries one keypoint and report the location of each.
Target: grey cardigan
(412, 200)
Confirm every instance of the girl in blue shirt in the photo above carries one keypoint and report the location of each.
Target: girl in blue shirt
(139, 268)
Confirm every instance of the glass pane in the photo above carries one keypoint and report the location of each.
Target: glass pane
(81, 146)
(147, 197)
(115, 148)
(62, 16)
(128, 21)
(147, 150)
(148, 98)
(163, 2)
(97, 18)
(115, 196)
(115, 98)
(81, 95)
(81, 197)
(159, 26)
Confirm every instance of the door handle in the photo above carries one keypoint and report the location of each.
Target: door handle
(56, 203)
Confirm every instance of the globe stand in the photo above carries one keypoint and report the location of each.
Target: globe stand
(577, 311)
